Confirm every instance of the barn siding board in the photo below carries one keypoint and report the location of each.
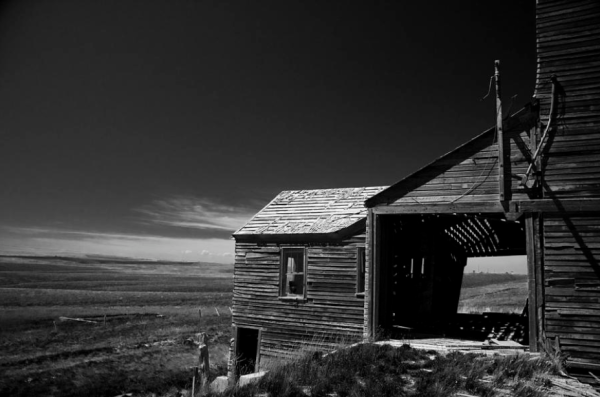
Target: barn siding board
(470, 173)
(568, 46)
(298, 212)
(571, 246)
(567, 269)
(567, 176)
(331, 305)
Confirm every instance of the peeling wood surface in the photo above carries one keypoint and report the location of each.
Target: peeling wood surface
(568, 47)
(303, 212)
(331, 308)
(572, 262)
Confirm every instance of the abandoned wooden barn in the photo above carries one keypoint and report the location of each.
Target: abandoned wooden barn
(530, 185)
(299, 272)
(499, 194)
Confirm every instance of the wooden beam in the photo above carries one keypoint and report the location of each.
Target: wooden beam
(257, 359)
(532, 280)
(334, 237)
(499, 134)
(473, 207)
(539, 274)
(368, 302)
(376, 266)
(560, 205)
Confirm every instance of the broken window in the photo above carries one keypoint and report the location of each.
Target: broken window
(293, 274)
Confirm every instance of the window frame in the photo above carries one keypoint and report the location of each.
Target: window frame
(283, 273)
(361, 258)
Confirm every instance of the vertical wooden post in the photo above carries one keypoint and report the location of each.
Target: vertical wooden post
(194, 376)
(375, 256)
(499, 134)
(258, 343)
(533, 230)
(231, 363)
(204, 364)
(368, 303)
(538, 226)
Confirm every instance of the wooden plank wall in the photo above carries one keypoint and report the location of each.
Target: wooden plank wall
(368, 331)
(572, 290)
(568, 46)
(331, 311)
(470, 173)
(475, 176)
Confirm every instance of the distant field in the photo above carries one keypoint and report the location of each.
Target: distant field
(142, 315)
(490, 292)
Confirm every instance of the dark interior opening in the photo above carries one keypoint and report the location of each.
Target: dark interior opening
(246, 347)
(422, 261)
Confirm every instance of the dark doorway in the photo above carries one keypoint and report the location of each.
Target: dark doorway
(421, 275)
(421, 265)
(247, 345)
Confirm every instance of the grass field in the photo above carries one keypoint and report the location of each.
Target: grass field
(142, 315)
(386, 371)
(491, 292)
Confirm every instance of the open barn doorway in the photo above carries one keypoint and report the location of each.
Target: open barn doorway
(420, 271)
(247, 350)
(496, 284)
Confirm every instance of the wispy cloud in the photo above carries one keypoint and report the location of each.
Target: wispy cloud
(48, 241)
(196, 213)
(173, 228)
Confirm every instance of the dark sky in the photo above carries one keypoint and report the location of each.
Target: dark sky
(155, 128)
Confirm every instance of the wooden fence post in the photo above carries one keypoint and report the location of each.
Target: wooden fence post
(231, 363)
(204, 363)
(194, 376)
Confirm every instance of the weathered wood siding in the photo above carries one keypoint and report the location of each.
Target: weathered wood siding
(568, 46)
(572, 277)
(331, 309)
(304, 212)
(471, 172)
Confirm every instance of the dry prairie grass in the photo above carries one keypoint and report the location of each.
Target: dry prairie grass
(383, 370)
(142, 347)
(497, 293)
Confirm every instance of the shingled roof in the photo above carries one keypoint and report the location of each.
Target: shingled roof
(309, 213)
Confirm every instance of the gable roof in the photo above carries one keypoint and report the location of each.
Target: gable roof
(460, 156)
(309, 213)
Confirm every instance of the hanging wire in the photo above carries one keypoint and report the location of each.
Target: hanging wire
(490, 169)
(489, 172)
(512, 101)
(492, 164)
(489, 88)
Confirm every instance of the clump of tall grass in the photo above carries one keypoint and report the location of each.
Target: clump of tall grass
(481, 375)
(361, 370)
(382, 370)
